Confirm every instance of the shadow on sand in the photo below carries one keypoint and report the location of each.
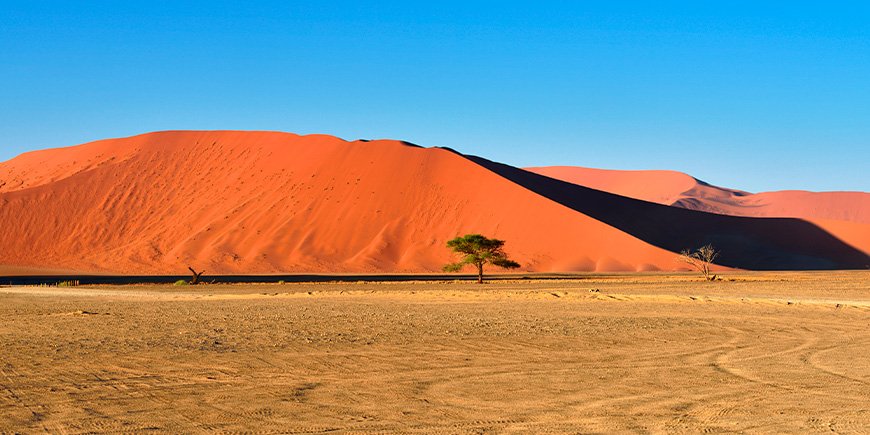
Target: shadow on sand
(744, 242)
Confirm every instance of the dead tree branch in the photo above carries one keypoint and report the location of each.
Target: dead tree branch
(196, 276)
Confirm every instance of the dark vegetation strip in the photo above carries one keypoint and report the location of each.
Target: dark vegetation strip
(241, 279)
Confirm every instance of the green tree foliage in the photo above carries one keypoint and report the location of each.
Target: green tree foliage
(478, 250)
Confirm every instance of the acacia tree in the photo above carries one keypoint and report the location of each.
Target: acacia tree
(701, 260)
(478, 250)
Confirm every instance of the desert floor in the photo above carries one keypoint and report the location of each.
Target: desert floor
(760, 352)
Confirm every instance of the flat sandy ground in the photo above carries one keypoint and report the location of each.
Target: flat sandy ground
(761, 353)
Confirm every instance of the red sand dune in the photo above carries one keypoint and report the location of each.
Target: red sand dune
(846, 215)
(261, 202)
(662, 187)
(268, 202)
(682, 190)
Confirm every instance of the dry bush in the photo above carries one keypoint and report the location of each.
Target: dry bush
(701, 260)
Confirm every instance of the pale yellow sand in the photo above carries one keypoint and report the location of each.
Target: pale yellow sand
(766, 353)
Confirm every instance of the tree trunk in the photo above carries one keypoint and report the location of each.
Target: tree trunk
(480, 273)
(196, 276)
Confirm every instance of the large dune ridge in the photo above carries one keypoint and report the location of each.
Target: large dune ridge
(270, 202)
(264, 202)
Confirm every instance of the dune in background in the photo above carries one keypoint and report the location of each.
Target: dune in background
(662, 187)
(270, 202)
(846, 215)
(684, 191)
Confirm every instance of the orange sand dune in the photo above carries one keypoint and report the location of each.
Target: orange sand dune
(261, 202)
(268, 202)
(853, 233)
(682, 190)
(846, 215)
(663, 187)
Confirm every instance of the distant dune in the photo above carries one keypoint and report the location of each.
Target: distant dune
(844, 214)
(662, 187)
(269, 202)
(683, 190)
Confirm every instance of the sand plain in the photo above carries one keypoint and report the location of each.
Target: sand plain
(635, 353)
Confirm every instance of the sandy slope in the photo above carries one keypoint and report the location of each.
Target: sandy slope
(846, 215)
(682, 190)
(662, 187)
(764, 353)
(259, 202)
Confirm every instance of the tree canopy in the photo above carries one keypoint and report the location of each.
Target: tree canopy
(479, 250)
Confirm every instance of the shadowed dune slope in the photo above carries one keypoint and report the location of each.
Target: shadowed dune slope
(267, 202)
(846, 215)
(663, 187)
(682, 190)
(747, 243)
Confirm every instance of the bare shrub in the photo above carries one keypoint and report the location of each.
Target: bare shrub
(701, 260)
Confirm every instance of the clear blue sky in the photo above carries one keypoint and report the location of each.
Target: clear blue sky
(751, 95)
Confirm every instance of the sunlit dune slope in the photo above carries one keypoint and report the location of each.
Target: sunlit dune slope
(262, 202)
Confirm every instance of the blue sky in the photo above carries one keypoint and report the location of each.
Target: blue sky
(750, 95)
